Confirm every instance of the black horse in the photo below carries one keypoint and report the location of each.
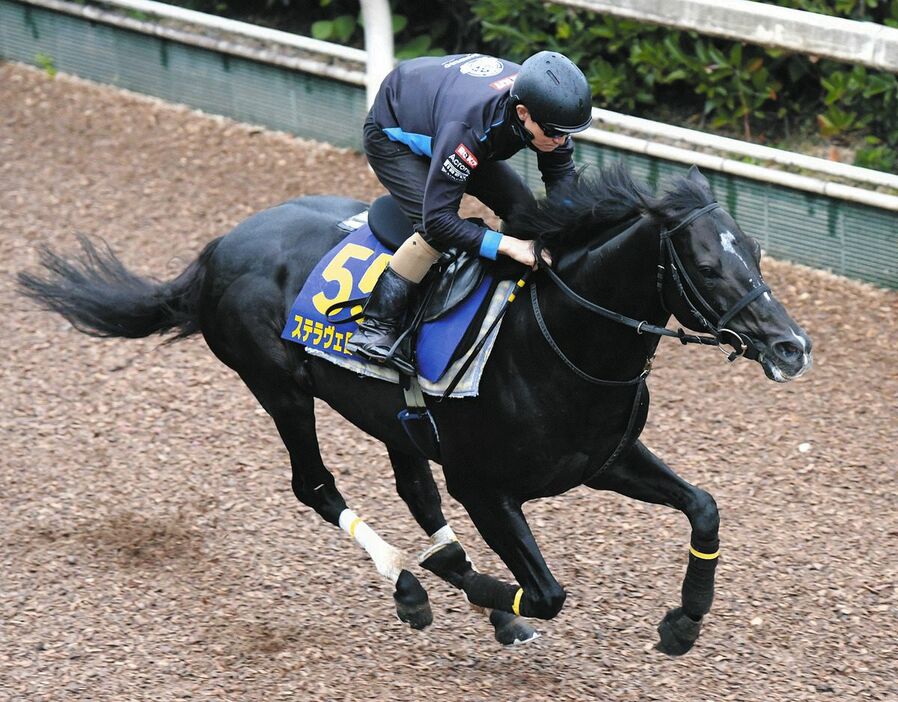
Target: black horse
(562, 399)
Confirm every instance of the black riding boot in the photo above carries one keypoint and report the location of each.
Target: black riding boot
(377, 338)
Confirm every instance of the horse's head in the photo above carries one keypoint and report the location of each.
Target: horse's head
(712, 281)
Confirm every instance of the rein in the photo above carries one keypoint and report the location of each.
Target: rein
(667, 253)
(640, 327)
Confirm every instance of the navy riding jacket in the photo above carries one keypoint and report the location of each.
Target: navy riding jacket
(456, 111)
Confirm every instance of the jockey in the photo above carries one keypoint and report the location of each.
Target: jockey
(442, 127)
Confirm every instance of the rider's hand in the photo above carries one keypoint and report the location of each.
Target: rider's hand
(521, 250)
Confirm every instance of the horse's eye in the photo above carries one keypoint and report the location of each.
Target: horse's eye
(708, 272)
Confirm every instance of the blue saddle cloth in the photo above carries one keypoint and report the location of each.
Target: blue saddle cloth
(349, 271)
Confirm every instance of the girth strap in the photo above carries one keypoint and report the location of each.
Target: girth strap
(522, 281)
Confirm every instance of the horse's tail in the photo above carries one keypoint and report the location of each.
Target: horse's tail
(100, 297)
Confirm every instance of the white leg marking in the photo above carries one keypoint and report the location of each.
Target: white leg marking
(388, 560)
(439, 538)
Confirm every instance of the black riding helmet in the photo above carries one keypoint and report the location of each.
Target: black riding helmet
(555, 92)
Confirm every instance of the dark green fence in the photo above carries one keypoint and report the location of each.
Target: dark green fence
(847, 238)
(249, 91)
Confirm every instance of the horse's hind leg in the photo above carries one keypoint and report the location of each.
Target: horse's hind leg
(313, 484)
(445, 556)
(242, 328)
(643, 476)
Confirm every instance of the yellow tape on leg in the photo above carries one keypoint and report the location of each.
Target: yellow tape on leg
(704, 556)
(516, 605)
(352, 527)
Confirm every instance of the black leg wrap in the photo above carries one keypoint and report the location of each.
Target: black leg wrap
(486, 591)
(698, 587)
(412, 605)
(678, 632)
(511, 630)
(680, 627)
(450, 563)
(698, 584)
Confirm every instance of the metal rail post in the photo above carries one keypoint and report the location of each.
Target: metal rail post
(378, 44)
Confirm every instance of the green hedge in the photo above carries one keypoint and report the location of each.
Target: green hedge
(684, 77)
(760, 94)
(421, 28)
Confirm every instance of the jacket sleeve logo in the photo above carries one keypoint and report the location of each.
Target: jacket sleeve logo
(455, 169)
(482, 67)
(504, 83)
(464, 153)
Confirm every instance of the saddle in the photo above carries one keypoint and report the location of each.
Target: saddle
(454, 276)
(461, 295)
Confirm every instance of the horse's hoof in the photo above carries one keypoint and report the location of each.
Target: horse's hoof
(412, 605)
(511, 630)
(678, 632)
(419, 617)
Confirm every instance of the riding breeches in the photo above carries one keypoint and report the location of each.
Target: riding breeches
(404, 174)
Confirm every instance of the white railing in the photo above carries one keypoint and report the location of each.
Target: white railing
(200, 19)
(336, 62)
(377, 61)
(725, 145)
(723, 164)
(377, 57)
(864, 43)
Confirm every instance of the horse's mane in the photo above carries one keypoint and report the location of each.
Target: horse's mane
(588, 211)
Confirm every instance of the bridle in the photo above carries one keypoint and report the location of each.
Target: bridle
(668, 259)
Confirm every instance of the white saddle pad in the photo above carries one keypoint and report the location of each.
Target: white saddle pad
(469, 384)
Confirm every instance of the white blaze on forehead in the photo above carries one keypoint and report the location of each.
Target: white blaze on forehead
(728, 242)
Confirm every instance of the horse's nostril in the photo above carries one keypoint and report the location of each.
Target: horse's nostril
(788, 351)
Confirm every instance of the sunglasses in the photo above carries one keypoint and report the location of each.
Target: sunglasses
(551, 132)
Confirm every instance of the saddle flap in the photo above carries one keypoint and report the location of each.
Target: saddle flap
(456, 276)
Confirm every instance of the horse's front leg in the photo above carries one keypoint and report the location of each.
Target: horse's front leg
(501, 522)
(643, 476)
(445, 556)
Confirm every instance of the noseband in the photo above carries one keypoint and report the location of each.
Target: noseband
(668, 258)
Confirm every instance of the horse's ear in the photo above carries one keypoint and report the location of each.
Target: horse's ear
(695, 175)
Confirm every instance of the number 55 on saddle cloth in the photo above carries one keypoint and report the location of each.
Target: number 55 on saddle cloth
(443, 345)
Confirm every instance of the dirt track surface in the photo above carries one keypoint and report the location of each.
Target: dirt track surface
(152, 548)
